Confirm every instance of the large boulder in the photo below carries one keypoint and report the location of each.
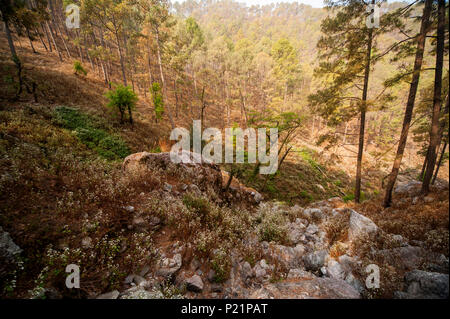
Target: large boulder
(408, 188)
(425, 285)
(360, 226)
(189, 167)
(9, 253)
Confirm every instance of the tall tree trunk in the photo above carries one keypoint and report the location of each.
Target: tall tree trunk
(122, 62)
(166, 106)
(44, 27)
(410, 103)
(439, 162)
(433, 147)
(362, 121)
(52, 36)
(30, 39)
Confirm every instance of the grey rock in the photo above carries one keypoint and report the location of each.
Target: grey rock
(299, 273)
(194, 283)
(312, 229)
(144, 270)
(422, 284)
(86, 242)
(407, 188)
(335, 270)
(327, 288)
(360, 226)
(167, 187)
(7, 246)
(246, 271)
(315, 260)
(109, 295)
(211, 275)
(129, 209)
(169, 266)
(354, 282)
(129, 279)
(139, 281)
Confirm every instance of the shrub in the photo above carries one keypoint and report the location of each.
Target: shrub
(122, 98)
(78, 68)
(158, 102)
(221, 264)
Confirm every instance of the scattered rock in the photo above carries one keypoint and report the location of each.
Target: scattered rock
(312, 229)
(169, 266)
(315, 260)
(299, 273)
(167, 187)
(246, 271)
(109, 295)
(194, 283)
(86, 242)
(425, 285)
(335, 270)
(328, 288)
(129, 209)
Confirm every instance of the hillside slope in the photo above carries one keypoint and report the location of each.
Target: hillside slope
(164, 230)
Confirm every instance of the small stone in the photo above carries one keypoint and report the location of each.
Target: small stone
(129, 209)
(211, 275)
(312, 229)
(86, 242)
(154, 221)
(128, 280)
(314, 261)
(247, 271)
(194, 283)
(138, 280)
(428, 199)
(144, 270)
(109, 295)
(335, 270)
(167, 187)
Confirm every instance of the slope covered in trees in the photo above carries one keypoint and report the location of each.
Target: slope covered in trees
(359, 110)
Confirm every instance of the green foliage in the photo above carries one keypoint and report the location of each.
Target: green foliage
(351, 196)
(198, 205)
(157, 98)
(107, 145)
(122, 98)
(221, 264)
(78, 68)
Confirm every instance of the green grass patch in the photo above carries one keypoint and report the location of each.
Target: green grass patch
(89, 132)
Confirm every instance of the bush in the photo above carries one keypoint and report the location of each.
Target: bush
(158, 102)
(78, 68)
(122, 98)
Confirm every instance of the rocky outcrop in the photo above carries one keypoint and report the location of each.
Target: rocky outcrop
(360, 227)
(305, 288)
(9, 253)
(192, 167)
(424, 285)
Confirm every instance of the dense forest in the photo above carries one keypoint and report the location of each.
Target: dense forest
(359, 98)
